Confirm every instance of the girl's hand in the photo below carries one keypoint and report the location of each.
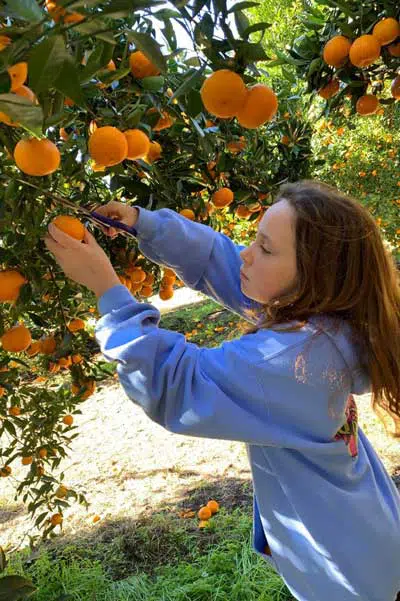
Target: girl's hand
(121, 212)
(83, 262)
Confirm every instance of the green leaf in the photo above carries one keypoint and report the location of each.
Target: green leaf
(150, 47)
(166, 13)
(5, 82)
(98, 59)
(169, 34)
(7, 425)
(26, 10)
(194, 104)
(191, 78)
(96, 28)
(251, 52)
(68, 82)
(21, 110)
(203, 32)
(153, 83)
(242, 22)
(45, 62)
(256, 27)
(13, 588)
(242, 6)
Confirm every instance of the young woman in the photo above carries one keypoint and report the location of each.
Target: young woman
(322, 294)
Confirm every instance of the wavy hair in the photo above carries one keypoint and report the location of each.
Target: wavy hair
(345, 270)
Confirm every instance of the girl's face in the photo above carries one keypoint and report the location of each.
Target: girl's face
(269, 263)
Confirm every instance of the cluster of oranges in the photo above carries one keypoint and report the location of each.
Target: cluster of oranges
(58, 13)
(225, 95)
(204, 513)
(363, 52)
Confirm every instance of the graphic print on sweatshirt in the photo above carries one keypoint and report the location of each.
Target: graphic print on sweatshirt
(349, 431)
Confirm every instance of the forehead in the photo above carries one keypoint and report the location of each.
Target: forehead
(279, 223)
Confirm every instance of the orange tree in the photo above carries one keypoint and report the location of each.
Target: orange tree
(348, 55)
(93, 107)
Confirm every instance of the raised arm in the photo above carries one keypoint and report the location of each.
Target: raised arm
(204, 259)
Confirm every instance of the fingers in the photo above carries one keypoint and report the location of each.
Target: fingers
(111, 209)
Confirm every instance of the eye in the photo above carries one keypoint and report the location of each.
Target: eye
(265, 251)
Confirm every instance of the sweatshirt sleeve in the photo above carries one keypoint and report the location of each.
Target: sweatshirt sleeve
(205, 260)
(213, 393)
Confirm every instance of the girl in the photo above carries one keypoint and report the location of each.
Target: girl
(323, 297)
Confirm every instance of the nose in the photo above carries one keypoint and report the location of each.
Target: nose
(245, 254)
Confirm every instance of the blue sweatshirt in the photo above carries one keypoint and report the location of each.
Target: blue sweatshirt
(326, 512)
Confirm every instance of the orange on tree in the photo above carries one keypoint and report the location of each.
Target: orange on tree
(10, 285)
(285, 140)
(43, 453)
(164, 121)
(336, 51)
(68, 420)
(394, 49)
(76, 359)
(37, 157)
(63, 134)
(141, 66)
(222, 197)
(236, 146)
(367, 104)
(330, 89)
(108, 146)
(65, 362)
(14, 411)
(111, 65)
(34, 348)
(166, 293)
(242, 212)
(48, 345)
(395, 88)
(27, 460)
(204, 513)
(213, 506)
(3, 391)
(188, 213)
(168, 280)
(5, 471)
(89, 386)
(223, 93)
(149, 279)
(146, 291)
(364, 51)
(386, 30)
(4, 42)
(18, 74)
(16, 339)
(70, 225)
(260, 106)
(154, 152)
(61, 491)
(137, 275)
(56, 519)
(76, 324)
(138, 144)
(26, 92)
(73, 17)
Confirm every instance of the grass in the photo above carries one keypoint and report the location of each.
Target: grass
(161, 557)
(227, 569)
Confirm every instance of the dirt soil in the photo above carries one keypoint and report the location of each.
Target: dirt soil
(129, 467)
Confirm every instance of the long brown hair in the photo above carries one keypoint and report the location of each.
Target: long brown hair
(345, 270)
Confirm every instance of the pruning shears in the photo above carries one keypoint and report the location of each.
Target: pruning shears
(91, 216)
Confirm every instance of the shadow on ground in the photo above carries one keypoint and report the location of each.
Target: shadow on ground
(126, 546)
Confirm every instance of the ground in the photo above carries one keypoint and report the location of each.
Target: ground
(129, 467)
